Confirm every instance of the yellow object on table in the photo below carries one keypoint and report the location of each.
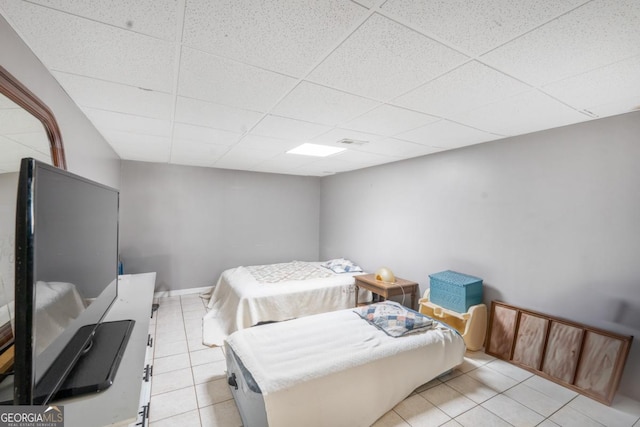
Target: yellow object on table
(472, 325)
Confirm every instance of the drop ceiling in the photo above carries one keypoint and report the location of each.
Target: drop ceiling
(235, 84)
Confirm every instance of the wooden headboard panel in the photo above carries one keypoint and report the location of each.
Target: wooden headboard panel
(585, 359)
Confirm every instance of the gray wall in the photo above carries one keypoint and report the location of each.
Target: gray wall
(188, 224)
(549, 220)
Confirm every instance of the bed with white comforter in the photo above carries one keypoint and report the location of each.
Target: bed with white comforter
(246, 296)
(334, 369)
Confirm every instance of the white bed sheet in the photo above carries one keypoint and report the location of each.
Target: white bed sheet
(336, 369)
(239, 301)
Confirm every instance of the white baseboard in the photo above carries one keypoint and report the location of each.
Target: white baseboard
(178, 292)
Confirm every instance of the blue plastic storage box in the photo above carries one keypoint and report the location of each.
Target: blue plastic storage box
(455, 291)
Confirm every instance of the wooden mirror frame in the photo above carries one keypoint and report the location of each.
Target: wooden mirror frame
(18, 93)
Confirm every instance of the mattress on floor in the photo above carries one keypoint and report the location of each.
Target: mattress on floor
(332, 369)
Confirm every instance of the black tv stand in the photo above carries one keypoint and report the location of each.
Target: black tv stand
(97, 367)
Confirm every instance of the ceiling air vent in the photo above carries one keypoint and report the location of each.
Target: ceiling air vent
(352, 141)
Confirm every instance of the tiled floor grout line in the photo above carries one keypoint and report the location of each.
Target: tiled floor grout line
(193, 378)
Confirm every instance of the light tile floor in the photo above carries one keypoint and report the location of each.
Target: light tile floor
(189, 387)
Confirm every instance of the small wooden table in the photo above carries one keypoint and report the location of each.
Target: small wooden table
(386, 289)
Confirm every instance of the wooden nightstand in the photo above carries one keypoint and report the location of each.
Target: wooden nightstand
(386, 289)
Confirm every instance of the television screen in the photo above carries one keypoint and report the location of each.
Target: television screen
(66, 274)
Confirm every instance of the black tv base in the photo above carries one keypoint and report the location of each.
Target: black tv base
(96, 369)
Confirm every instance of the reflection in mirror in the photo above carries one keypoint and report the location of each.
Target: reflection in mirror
(27, 129)
(21, 135)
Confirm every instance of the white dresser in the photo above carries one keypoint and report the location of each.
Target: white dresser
(122, 403)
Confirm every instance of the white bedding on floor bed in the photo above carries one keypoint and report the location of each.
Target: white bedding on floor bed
(239, 300)
(336, 369)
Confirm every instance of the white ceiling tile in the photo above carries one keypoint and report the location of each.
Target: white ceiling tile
(130, 146)
(279, 35)
(243, 158)
(13, 152)
(615, 84)
(397, 148)
(446, 134)
(520, 114)
(315, 103)
(363, 158)
(6, 103)
(476, 26)
(384, 59)
(259, 78)
(80, 46)
(103, 95)
(223, 81)
(38, 141)
(156, 18)
(465, 88)
(284, 163)
(389, 120)
(264, 143)
(619, 106)
(367, 3)
(127, 123)
(201, 113)
(596, 34)
(328, 166)
(202, 134)
(196, 153)
(16, 120)
(284, 128)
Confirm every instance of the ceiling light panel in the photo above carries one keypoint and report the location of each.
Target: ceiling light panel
(594, 35)
(278, 35)
(223, 81)
(479, 25)
(316, 150)
(383, 58)
(320, 104)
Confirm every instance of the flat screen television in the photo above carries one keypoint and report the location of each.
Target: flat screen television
(66, 279)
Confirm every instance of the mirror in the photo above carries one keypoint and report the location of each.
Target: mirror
(27, 129)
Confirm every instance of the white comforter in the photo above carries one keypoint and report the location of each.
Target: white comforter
(239, 300)
(335, 369)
